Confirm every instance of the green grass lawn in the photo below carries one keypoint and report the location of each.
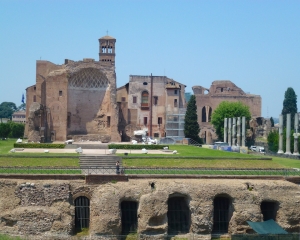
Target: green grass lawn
(221, 159)
(7, 237)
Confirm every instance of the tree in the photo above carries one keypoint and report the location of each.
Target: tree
(228, 110)
(22, 107)
(272, 122)
(191, 125)
(273, 141)
(289, 105)
(7, 109)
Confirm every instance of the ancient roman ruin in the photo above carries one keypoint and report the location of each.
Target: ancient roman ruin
(235, 138)
(288, 134)
(49, 209)
(75, 100)
(79, 100)
(207, 101)
(155, 104)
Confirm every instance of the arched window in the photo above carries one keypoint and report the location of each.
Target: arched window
(129, 216)
(203, 114)
(82, 213)
(145, 99)
(206, 114)
(221, 214)
(269, 210)
(178, 215)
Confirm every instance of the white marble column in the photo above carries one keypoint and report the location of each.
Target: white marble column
(225, 129)
(229, 131)
(234, 131)
(243, 131)
(238, 134)
(280, 144)
(296, 135)
(288, 134)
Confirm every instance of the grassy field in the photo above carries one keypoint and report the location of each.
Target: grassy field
(221, 159)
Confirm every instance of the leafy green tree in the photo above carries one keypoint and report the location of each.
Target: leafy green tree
(272, 122)
(7, 109)
(16, 130)
(273, 141)
(12, 130)
(228, 110)
(191, 125)
(4, 130)
(289, 105)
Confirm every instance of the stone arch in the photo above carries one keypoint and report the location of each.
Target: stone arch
(269, 209)
(179, 214)
(206, 113)
(208, 135)
(82, 213)
(222, 213)
(129, 217)
(88, 78)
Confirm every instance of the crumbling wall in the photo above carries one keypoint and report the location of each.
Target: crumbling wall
(46, 208)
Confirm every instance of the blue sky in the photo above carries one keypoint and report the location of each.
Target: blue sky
(255, 44)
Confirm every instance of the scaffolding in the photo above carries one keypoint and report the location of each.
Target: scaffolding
(175, 124)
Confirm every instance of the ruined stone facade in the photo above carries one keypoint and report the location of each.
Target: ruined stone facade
(146, 102)
(208, 100)
(46, 208)
(74, 100)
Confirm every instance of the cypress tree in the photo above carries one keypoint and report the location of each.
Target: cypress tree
(289, 105)
(191, 125)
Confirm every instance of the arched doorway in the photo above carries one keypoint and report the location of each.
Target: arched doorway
(129, 216)
(269, 210)
(178, 215)
(82, 213)
(222, 214)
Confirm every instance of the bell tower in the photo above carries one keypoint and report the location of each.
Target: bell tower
(107, 50)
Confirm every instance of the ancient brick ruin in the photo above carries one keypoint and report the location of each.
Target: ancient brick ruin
(74, 100)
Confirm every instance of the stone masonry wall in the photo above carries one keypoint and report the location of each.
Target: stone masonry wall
(45, 208)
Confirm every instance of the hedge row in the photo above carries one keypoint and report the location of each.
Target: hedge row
(38, 145)
(136, 146)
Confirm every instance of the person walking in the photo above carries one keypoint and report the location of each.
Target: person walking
(117, 167)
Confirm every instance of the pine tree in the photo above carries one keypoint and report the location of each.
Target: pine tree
(272, 122)
(289, 105)
(191, 125)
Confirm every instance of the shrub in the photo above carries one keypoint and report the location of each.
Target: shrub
(136, 146)
(38, 145)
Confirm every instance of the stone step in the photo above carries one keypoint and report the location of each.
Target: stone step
(89, 161)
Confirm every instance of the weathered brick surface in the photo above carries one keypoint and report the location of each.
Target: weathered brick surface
(218, 92)
(77, 98)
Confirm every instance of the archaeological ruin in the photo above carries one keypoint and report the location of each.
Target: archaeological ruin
(75, 100)
(207, 101)
(80, 100)
(153, 103)
(195, 208)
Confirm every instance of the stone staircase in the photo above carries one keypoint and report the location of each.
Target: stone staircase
(99, 164)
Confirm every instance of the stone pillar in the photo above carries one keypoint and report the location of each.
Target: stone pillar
(280, 134)
(296, 135)
(238, 134)
(229, 131)
(225, 129)
(243, 131)
(288, 134)
(234, 131)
